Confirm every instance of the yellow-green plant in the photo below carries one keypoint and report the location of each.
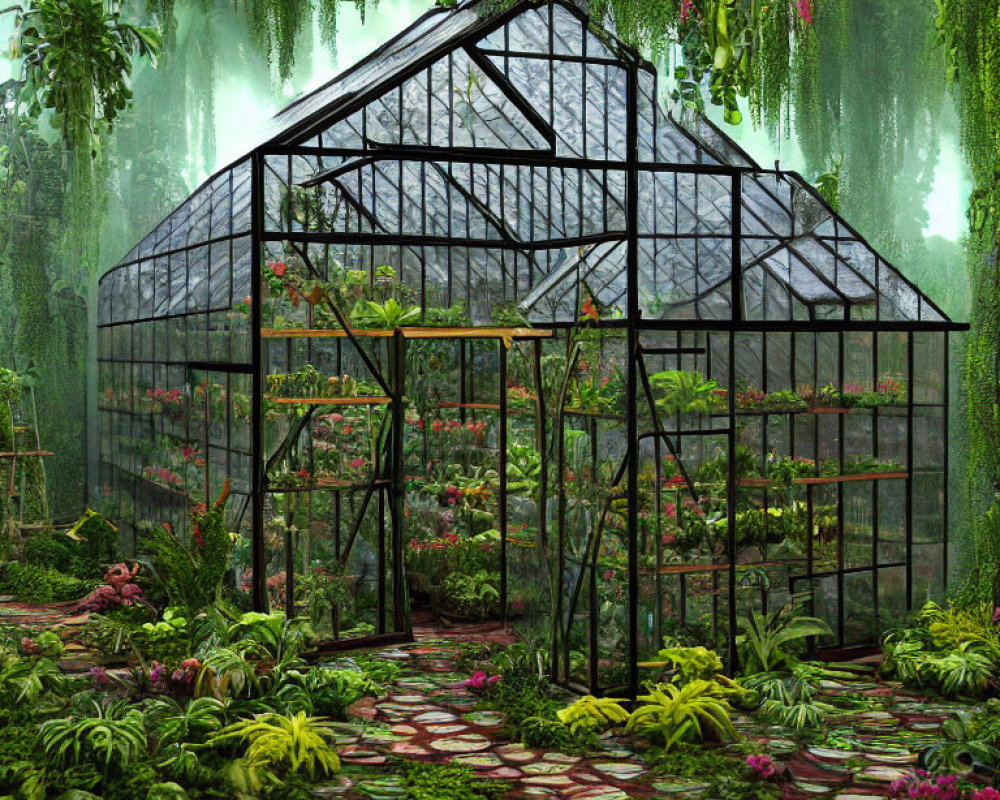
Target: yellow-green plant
(284, 745)
(954, 626)
(591, 713)
(689, 663)
(688, 713)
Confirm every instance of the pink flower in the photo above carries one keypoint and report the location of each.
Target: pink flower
(686, 9)
(762, 765)
(337, 417)
(609, 574)
(28, 645)
(996, 615)
(100, 676)
(805, 11)
(989, 793)
(358, 463)
(278, 268)
(158, 674)
(480, 681)
(668, 538)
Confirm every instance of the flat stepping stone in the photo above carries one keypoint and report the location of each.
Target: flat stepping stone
(439, 730)
(561, 758)
(503, 773)
(678, 788)
(463, 743)
(434, 717)
(811, 788)
(384, 788)
(485, 719)
(551, 781)
(408, 699)
(369, 760)
(623, 771)
(480, 760)
(882, 774)
(892, 758)
(410, 749)
(516, 753)
(600, 793)
(340, 786)
(544, 768)
(833, 755)
(404, 730)
(364, 708)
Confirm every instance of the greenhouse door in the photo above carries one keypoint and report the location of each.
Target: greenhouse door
(472, 467)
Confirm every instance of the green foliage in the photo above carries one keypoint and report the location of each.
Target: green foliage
(113, 735)
(79, 59)
(691, 663)
(960, 746)
(681, 392)
(764, 639)
(388, 315)
(693, 712)
(546, 733)
(30, 583)
(284, 745)
(472, 596)
(448, 782)
(591, 713)
(962, 672)
(192, 575)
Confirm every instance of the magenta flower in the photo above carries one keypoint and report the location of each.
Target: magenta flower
(763, 766)
(686, 7)
(158, 674)
(805, 11)
(100, 676)
(989, 793)
(480, 681)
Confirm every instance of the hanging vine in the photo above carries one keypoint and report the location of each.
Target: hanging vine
(969, 33)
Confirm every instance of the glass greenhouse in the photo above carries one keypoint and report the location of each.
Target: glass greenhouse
(479, 331)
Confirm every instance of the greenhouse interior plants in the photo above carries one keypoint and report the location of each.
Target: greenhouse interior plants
(491, 425)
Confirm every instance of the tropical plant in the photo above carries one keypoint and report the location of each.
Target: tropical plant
(28, 680)
(678, 391)
(474, 596)
(960, 747)
(764, 638)
(192, 575)
(390, 314)
(692, 712)
(113, 735)
(285, 745)
(689, 663)
(590, 713)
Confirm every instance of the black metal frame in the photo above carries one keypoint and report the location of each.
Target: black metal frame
(628, 212)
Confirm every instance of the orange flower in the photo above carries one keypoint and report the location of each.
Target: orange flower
(589, 310)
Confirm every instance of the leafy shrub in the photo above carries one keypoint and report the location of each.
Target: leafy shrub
(473, 596)
(113, 736)
(963, 672)
(693, 712)
(764, 639)
(691, 663)
(448, 782)
(284, 744)
(51, 549)
(192, 575)
(30, 583)
(543, 732)
(591, 713)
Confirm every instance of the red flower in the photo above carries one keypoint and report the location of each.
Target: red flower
(278, 268)
(437, 426)
(805, 11)
(348, 428)
(670, 509)
(589, 310)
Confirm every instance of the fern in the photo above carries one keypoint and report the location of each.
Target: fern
(114, 736)
(687, 713)
(284, 745)
(590, 713)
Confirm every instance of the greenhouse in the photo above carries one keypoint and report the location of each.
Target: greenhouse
(479, 330)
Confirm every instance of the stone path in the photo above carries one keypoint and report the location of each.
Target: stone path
(878, 728)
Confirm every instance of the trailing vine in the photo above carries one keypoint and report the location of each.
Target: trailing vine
(969, 33)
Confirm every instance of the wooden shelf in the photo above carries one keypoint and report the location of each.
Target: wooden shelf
(329, 401)
(507, 335)
(29, 453)
(687, 569)
(330, 485)
(481, 406)
(858, 476)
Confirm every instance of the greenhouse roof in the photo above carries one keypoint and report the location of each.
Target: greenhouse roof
(538, 100)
